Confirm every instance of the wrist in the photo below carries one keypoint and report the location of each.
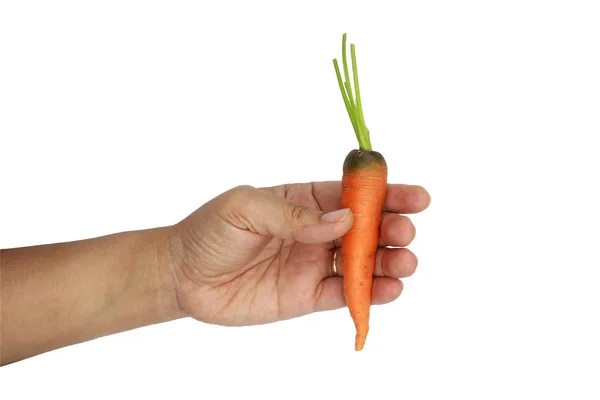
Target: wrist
(145, 293)
(159, 249)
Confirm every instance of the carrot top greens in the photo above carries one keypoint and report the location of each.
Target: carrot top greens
(352, 102)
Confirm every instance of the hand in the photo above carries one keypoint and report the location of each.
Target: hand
(254, 256)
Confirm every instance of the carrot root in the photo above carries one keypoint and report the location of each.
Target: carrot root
(364, 187)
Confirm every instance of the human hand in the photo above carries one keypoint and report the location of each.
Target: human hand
(253, 256)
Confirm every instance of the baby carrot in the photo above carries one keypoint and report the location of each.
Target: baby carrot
(364, 185)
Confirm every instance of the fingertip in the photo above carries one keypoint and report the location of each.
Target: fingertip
(343, 225)
(336, 216)
(395, 262)
(328, 230)
(386, 290)
(397, 230)
(348, 222)
(407, 199)
(408, 262)
(422, 197)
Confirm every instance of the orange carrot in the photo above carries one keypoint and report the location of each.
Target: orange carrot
(364, 185)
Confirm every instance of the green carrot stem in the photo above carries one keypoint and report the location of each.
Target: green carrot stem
(349, 106)
(353, 101)
(346, 75)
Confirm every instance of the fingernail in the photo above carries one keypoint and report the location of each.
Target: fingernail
(335, 216)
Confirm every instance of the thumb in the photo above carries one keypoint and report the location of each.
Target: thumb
(265, 213)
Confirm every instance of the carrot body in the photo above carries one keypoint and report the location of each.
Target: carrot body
(364, 185)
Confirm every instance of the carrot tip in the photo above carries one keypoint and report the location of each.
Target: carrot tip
(360, 342)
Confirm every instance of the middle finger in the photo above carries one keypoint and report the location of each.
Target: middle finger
(395, 230)
(395, 263)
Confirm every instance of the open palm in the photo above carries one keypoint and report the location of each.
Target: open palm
(253, 256)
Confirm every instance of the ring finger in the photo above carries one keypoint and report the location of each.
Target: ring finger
(394, 263)
(396, 230)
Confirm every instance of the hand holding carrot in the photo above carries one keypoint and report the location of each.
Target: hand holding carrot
(253, 256)
(249, 256)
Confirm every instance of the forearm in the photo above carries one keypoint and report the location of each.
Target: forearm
(61, 294)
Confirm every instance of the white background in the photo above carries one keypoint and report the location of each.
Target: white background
(123, 115)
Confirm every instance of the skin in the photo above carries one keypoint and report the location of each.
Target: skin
(249, 256)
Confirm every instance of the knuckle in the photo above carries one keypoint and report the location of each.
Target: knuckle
(297, 212)
(230, 205)
(238, 194)
(242, 189)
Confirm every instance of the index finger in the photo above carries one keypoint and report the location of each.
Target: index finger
(400, 198)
